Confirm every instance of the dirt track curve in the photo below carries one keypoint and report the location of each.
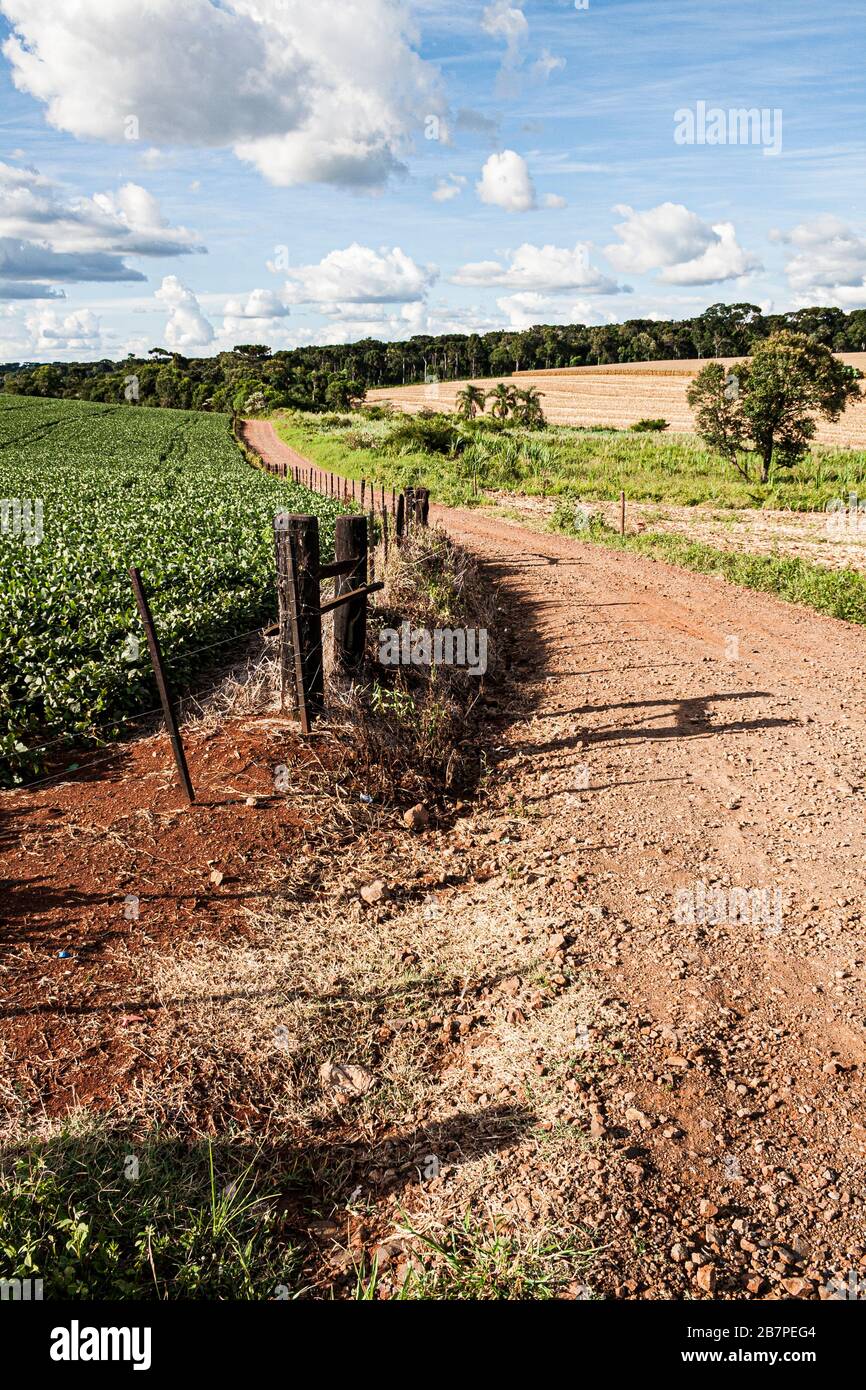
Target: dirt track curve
(667, 732)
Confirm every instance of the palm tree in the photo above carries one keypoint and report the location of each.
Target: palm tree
(470, 399)
(527, 408)
(503, 400)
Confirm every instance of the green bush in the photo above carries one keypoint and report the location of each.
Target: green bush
(430, 434)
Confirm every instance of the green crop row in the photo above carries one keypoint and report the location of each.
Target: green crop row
(164, 490)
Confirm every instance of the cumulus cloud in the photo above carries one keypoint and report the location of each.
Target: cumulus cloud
(359, 275)
(829, 264)
(505, 182)
(48, 238)
(259, 304)
(186, 325)
(53, 332)
(541, 268)
(675, 241)
(527, 308)
(325, 93)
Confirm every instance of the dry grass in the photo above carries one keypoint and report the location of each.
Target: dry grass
(615, 396)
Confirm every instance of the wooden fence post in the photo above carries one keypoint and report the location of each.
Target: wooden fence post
(350, 619)
(622, 513)
(165, 695)
(400, 518)
(371, 546)
(288, 599)
(409, 512)
(300, 553)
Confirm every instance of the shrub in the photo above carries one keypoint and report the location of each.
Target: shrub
(428, 434)
(647, 424)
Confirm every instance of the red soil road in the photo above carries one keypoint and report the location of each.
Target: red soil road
(666, 729)
(723, 734)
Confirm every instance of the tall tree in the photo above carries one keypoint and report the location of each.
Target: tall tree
(767, 406)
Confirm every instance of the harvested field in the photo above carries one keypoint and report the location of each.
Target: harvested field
(617, 396)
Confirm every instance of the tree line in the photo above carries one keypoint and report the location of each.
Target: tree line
(337, 376)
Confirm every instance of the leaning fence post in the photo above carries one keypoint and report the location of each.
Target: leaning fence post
(350, 619)
(289, 603)
(165, 694)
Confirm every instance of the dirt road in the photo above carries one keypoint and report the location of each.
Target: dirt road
(612, 1009)
(668, 739)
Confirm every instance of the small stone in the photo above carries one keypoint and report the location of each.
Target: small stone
(417, 818)
(348, 1077)
(707, 1278)
(797, 1288)
(637, 1117)
(374, 892)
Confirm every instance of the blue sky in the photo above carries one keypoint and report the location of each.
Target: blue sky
(196, 174)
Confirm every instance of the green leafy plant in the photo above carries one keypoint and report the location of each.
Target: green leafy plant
(766, 407)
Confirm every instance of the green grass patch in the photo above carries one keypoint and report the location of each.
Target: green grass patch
(562, 460)
(490, 1263)
(99, 1216)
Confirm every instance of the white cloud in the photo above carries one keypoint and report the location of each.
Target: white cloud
(527, 308)
(449, 188)
(504, 21)
(505, 182)
(306, 93)
(359, 275)
(186, 325)
(829, 264)
(542, 268)
(53, 332)
(687, 250)
(259, 304)
(128, 221)
(547, 63)
(553, 200)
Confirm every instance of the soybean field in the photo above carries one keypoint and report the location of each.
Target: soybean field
(86, 491)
